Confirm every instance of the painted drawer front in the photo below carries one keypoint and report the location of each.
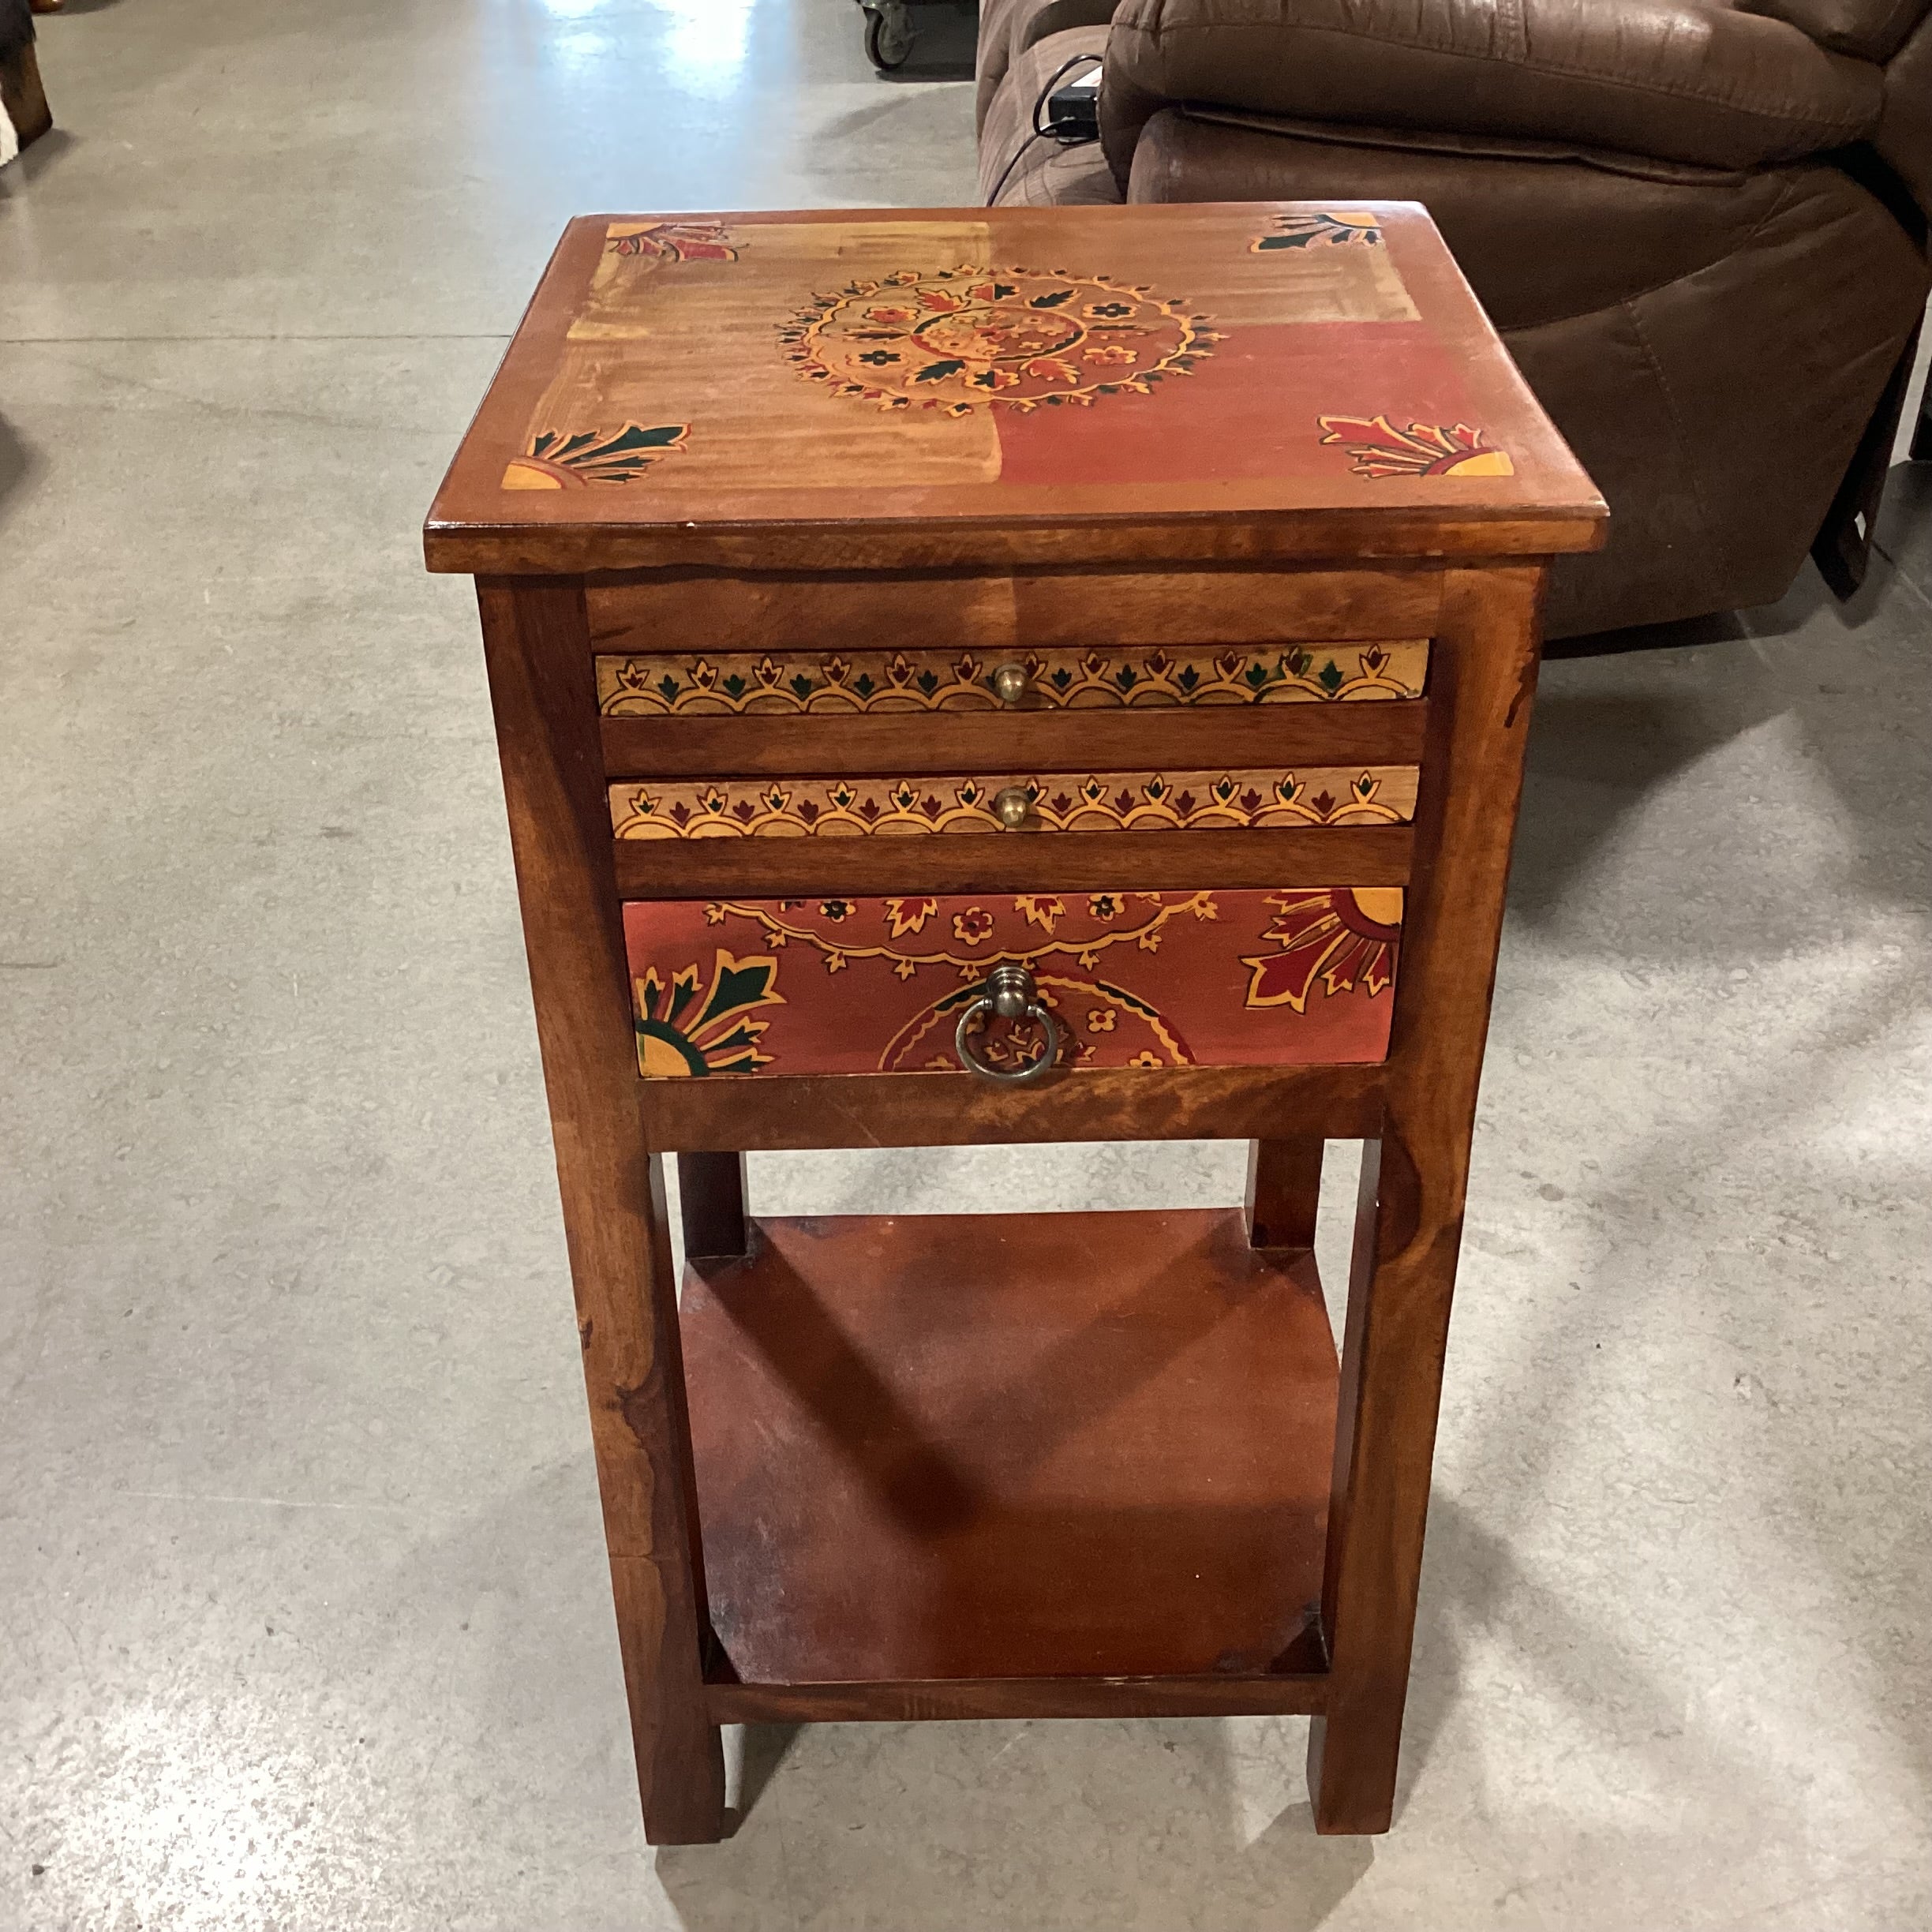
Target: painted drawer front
(1097, 802)
(697, 684)
(864, 985)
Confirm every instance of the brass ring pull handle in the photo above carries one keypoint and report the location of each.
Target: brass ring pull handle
(1009, 993)
(1010, 682)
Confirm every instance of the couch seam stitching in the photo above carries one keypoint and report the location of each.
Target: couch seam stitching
(1663, 282)
(1844, 121)
(1713, 535)
(1576, 154)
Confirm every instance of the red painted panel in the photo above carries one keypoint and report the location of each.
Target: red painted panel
(1253, 409)
(1291, 977)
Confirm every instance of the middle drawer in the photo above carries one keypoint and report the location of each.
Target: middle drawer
(1139, 801)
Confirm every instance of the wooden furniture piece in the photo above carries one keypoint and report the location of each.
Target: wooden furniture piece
(24, 115)
(1093, 644)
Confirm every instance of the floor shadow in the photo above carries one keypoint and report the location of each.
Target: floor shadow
(957, 1828)
(1472, 1584)
(1725, 624)
(1810, 602)
(1475, 1592)
(34, 161)
(1903, 533)
(1836, 685)
(761, 1749)
(18, 465)
(1843, 685)
(1595, 757)
(946, 1827)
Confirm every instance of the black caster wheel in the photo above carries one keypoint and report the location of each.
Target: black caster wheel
(889, 43)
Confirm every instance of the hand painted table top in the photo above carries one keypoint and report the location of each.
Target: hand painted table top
(685, 388)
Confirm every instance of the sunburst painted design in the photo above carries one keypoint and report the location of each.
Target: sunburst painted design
(557, 461)
(1379, 450)
(1335, 228)
(683, 241)
(680, 1035)
(1345, 938)
(960, 339)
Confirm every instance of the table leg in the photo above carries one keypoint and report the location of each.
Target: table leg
(1408, 1219)
(1284, 1191)
(711, 1199)
(536, 643)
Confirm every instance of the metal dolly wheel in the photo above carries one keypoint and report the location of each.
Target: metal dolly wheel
(889, 33)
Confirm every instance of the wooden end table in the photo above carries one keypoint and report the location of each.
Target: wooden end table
(1091, 646)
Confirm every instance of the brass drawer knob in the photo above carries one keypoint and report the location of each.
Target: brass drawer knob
(1009, 993)
(1011, 805)
(1009, 682)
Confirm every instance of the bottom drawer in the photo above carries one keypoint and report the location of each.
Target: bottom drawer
(1293, 978)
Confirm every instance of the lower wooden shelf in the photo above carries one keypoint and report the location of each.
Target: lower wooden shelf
(968, 1465)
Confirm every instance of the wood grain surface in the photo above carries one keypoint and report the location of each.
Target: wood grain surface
(1071, 606)
(846, 390)
(981, 1446)
(1409, 1214)
(710, 747)
(959, 1110)
(1013, 862)
(537, 646)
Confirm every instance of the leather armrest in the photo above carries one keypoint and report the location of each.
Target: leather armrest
(1690, 80)
(1009, 28)
(1874, 30)
(1061, 16)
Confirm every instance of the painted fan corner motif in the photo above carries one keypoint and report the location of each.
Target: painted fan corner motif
(1377, 449)
(679, 1034)
(671, 242)
(558, 459)
(1344, 938)
(1337, 228)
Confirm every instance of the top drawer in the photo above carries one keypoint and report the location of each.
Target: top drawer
(819, 682)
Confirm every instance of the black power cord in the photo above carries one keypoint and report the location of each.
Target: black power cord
(1046, 133)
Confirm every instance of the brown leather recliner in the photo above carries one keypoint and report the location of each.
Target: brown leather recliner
(1698, 226)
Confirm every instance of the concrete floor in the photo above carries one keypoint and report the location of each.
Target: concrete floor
(303, 1613)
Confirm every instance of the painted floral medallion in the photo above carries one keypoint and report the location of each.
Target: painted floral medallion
(956, 338)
